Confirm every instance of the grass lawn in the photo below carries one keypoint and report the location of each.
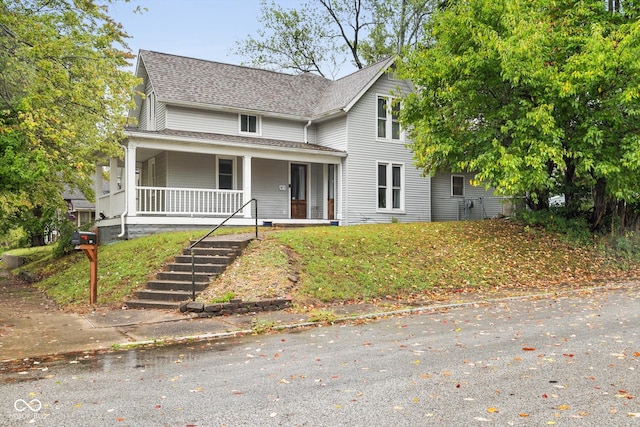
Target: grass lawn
(408, 262)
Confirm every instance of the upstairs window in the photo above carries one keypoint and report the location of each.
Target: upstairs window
(388, 115)
(249, 124)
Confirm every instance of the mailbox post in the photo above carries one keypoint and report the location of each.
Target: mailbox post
(88, 242)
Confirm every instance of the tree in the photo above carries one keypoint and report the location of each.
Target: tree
(64, 92)
(537, 98)
(321, 35)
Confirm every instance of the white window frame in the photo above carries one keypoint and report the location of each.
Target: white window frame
(452, 186)
(258, 124)
(390, 188)
(234, 183)
(389, 120)
(151, 111)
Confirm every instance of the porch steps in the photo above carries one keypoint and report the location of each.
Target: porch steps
(173, 285)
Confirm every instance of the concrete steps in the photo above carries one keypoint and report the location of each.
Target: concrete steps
(174, 284)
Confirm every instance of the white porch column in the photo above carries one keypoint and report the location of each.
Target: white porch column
(246, 185)
(340, 192)
(113, 186)
(97, 184)
(130, 178)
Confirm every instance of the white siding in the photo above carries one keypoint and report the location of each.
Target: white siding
(316, 193)
(161, 115)
(188, 170)
(190, 119)
(332, 133)
(266, 178)
(446, 207)
(283, 129)
(361, 166)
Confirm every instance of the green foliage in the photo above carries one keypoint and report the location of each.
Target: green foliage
(319, 36)
(535, 97)
(63, 245)
(228, 296)
(64, 89)
(575, 229)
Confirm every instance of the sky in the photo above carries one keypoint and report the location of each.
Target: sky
(205, 29)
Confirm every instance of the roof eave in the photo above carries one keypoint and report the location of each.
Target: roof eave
(369, 84)
(242, 145)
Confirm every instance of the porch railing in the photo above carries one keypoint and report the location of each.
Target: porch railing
(187, 201)
(197, 242)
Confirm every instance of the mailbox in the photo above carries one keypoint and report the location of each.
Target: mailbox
(83, 238)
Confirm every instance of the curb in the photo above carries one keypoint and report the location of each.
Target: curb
(367, 316)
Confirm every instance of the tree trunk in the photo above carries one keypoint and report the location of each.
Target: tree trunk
(571, 202)
(599, 203)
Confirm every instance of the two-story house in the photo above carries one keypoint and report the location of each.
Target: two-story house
(211, 136)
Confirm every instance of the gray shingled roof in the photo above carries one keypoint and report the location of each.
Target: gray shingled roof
(181, 79)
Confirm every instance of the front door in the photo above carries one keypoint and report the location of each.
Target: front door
(298, 191)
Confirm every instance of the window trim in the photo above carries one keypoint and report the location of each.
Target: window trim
(390, 188)
(258, 131)
(453, 186)
(389, 119)
(151, 111)
(234, 175)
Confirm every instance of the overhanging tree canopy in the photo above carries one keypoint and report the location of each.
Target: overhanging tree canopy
(537, 97)
(64, 92)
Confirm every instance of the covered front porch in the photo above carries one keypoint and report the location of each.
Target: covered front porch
(171, 185)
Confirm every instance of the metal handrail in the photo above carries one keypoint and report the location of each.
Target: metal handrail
(193, 245)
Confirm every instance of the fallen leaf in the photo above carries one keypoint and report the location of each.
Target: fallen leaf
(563, 407)
(524, 415)
(492, 410)
(528, 349)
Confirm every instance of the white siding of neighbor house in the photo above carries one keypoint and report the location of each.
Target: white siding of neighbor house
(332, 133)
(266, 178)
(446, 207)
(191, 170)
(365, 151)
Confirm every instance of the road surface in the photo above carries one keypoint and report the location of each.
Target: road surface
(571, 360)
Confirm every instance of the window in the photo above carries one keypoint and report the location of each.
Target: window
(249, 124)
(225, 174)
(457, 185)
(388, 119)
(151, 111)
(390, 191)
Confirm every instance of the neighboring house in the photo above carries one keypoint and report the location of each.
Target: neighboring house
(79, 210)
(211, 136)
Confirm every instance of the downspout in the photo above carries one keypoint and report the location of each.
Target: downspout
(306, 127)
(122, 216)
